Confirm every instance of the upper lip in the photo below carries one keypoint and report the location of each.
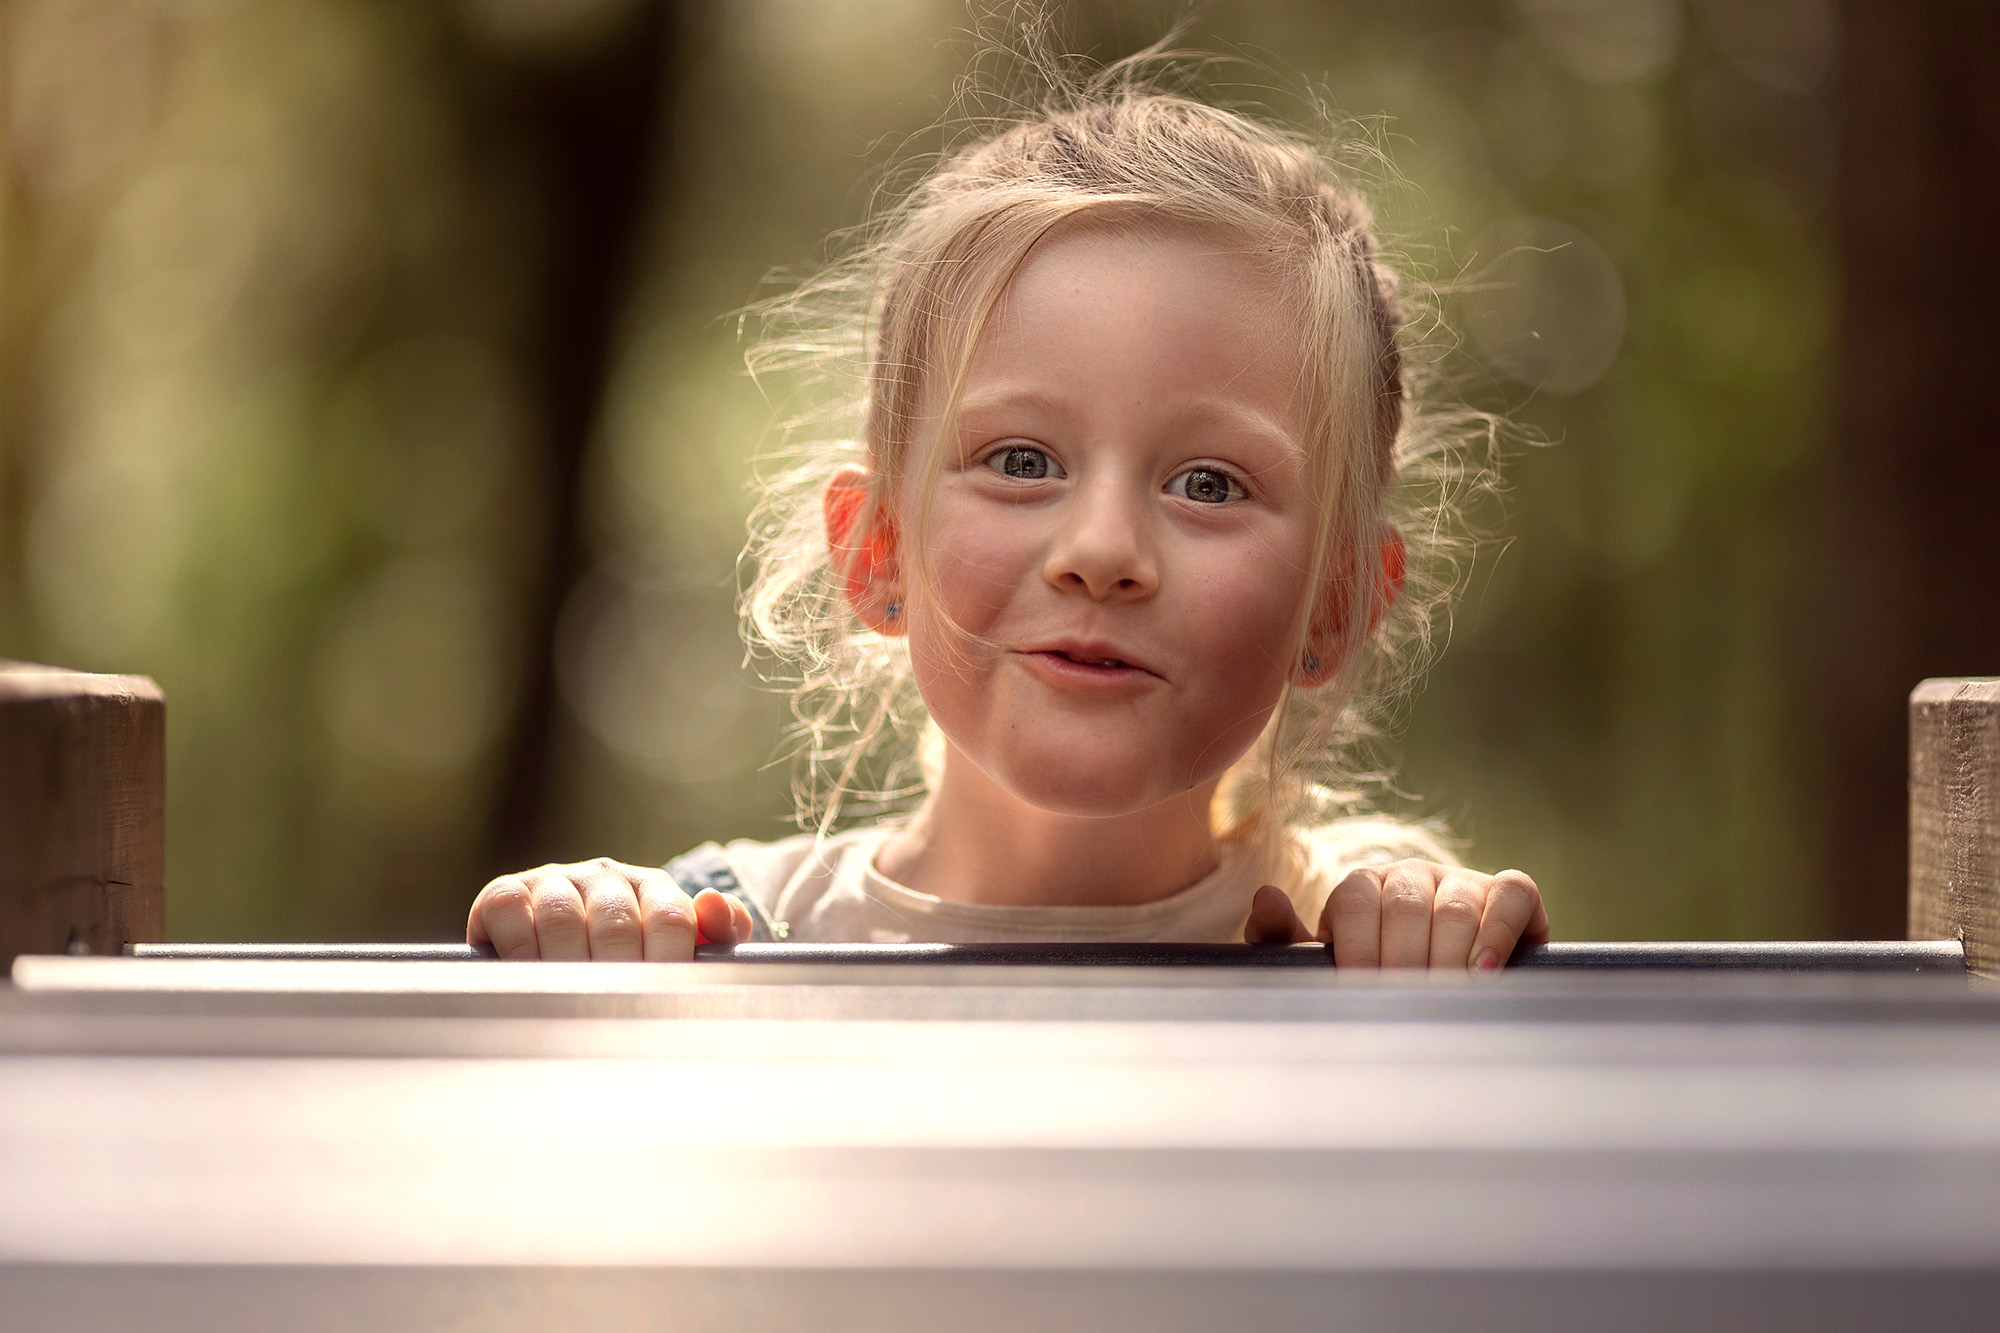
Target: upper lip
(1093, 651)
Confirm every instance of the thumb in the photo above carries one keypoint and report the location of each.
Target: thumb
(720, 919)
(1273, 920)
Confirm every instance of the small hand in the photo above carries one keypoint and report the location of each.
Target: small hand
(601, 909)
(1412, 914)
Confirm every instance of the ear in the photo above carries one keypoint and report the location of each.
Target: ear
(1325, 640)
(861, 539)
(1395, 568)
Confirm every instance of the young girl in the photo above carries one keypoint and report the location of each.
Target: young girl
(1134, 416)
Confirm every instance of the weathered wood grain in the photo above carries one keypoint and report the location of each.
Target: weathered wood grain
(82, 810)
(1955, 817)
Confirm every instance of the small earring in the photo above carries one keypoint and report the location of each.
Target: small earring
(892, 610)
(1311, 664)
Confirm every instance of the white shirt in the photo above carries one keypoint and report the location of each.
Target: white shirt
(828, 890)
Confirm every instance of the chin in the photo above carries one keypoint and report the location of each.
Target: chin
(1084, 802)
(1062, 785)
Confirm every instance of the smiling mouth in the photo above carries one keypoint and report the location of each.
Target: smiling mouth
(1106, 662)
(1086, 665)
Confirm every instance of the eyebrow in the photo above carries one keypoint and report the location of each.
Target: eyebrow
(1241, 420)
(1231, 417)
(1003, 398)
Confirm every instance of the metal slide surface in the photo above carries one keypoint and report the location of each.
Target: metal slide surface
(292, 1145)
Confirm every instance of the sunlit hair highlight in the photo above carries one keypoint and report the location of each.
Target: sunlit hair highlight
(888, 331)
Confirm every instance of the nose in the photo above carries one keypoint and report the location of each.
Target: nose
(1103, 547)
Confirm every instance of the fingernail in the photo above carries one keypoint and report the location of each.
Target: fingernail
(1489, 960)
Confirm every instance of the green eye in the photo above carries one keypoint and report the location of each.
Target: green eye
(1207, 485)
(1023, 462)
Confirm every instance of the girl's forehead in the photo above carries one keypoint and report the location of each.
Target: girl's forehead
(1159, 260)
(1181, 316)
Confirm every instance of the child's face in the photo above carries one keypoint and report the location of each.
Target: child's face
(1121, 527)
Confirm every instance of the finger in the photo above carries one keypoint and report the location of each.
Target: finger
(503, 919)
(1514, 912)
(1351, 921)
(666, 919)
(611, 910)
(1409, 890)
(720, 918)
(560, 927)
(1273, 919)
(1455, 916)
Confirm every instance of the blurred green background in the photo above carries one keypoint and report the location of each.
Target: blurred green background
(369, 378)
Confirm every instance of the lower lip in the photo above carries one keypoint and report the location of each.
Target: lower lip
(1061, 670)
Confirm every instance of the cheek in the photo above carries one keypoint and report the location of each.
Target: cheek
(970, 570)
(974, 561)
(1243, 628)
(1240, 633)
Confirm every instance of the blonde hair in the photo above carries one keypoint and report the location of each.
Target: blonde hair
(908, 303)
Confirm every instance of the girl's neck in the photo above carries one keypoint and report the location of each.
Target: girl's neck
(974, 842)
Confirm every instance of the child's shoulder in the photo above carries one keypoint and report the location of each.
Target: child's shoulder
(784, 875)
(1370, 840)
(1319, 856)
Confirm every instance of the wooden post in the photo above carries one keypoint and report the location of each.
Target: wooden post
(1955, 817)
(82, 811)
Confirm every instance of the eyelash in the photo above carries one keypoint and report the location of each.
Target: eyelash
(997, 460)
(1233, 487)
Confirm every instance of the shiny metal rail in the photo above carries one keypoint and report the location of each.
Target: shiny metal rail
(1906, 956)
(428, 1145)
